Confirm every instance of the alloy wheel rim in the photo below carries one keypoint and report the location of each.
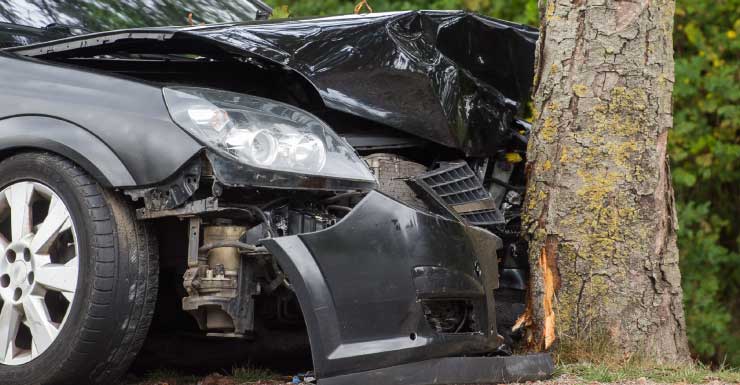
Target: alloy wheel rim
(39, 268)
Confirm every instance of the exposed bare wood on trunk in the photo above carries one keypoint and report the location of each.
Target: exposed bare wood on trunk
(599, 209)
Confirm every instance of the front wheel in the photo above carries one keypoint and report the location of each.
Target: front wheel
(78, 275)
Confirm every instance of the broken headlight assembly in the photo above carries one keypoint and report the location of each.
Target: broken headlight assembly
(264, 134)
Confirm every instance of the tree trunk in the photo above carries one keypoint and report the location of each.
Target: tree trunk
(600, 211)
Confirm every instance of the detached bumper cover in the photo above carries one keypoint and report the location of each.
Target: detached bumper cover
(455, 370)
(362, 285)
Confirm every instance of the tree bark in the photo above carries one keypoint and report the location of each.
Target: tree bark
(600, 211)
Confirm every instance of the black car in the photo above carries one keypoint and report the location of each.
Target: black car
(357, 179)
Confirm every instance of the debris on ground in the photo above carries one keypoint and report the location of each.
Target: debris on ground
(304, 378)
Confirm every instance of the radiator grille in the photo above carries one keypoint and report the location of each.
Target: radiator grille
(455, 188)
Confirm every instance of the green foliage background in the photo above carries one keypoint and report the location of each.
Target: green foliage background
(705, 154)
(704, 146)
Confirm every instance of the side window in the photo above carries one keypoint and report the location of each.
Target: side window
(6, 40)
(13, 39)
(103, 15)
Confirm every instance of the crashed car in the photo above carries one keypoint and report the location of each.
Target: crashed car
(358, 178)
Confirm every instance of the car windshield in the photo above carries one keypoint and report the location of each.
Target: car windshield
(103, 15)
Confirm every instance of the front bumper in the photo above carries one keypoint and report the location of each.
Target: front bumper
(362, 285)
(455, 370)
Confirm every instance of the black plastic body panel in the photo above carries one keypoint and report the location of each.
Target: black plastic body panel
(455, 371)
(359, 285)
(121, 117)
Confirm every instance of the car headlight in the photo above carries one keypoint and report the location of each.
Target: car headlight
(264, 133)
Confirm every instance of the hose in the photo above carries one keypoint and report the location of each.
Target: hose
(236, 244)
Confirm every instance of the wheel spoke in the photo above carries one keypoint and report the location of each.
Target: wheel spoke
(58, 277)
(19, 199)
(10, 319)
(55, 222)
(42, 329)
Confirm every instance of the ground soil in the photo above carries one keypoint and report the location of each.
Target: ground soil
(571, 380)
(561, 380)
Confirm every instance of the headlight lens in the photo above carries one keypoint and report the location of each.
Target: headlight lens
(264, 133)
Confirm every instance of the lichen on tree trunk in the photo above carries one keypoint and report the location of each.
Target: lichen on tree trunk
(599, 212)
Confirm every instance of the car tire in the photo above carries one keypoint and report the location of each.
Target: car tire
(110, 307)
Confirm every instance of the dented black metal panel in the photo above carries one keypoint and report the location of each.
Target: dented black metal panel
(126, 119)
(450, 77)
(362, 284)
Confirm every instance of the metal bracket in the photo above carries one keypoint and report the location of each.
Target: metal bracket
(202, 206)
(174, 193)
(194, 241)
(455, 191)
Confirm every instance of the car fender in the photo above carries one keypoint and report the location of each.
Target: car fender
(46, 133)
(125, 116)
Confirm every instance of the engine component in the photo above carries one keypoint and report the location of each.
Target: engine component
(502, 170)
(290, 221)
(392, 172)
(455, 190)
(174, 193)
(220, 288)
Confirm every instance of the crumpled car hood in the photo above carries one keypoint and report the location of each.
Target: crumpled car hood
(444, 76)
(454, 78)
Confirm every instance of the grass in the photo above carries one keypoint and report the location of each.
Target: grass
(240, 375)
(596, 359)
(589, 360)
(253, 374)
(602, 371)
(667, 374)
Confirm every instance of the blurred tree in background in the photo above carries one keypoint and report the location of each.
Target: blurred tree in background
(521, 11)
(705, 151)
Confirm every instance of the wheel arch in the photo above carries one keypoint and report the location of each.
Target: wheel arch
(26, 133)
